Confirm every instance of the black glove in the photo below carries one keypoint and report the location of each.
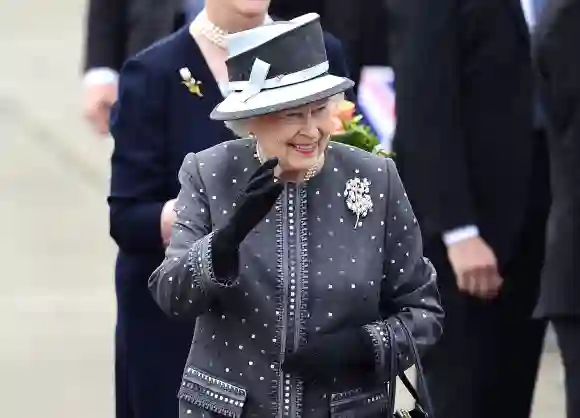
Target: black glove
(252, 206)
(330, 355)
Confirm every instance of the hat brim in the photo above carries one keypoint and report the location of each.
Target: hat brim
(281, 98)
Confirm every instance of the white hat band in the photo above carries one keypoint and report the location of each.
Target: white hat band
(258, 78)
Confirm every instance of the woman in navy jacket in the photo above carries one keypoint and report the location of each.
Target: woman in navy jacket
(166, 94)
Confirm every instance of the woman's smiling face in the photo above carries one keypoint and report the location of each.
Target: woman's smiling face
(298, 136)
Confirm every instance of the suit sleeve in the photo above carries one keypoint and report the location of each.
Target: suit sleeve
(409, 293)
(558, 65)
(106, 32)
(138, 190)
(429, 134)
(185, 284)
(554, 47)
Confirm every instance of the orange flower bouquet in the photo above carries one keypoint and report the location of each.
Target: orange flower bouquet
(349, 130)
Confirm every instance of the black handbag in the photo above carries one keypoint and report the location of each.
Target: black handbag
(423, 407)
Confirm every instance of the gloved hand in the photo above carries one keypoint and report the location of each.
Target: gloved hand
(329, 355)
(253, 205)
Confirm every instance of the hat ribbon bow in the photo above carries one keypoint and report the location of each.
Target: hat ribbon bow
(259, 79)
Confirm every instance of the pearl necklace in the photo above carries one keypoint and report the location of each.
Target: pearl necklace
(203, 26)
(213, 33)
(311, 172)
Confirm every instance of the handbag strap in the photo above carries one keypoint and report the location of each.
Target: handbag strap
(421, 394)
(424, 400)
(392, 378)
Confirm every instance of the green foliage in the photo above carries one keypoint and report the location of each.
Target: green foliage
(359, 136)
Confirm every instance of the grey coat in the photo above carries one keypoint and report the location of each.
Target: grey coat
(304, 269)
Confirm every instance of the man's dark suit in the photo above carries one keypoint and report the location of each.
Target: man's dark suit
(558, 63)
(361, 29)
(468, 154)
(118, 29)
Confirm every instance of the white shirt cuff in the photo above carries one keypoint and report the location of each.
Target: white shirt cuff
(100, 75)
(460, 234)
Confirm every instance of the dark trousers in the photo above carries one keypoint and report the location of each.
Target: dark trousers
(568, 333)
(486, 362)
(150, 350)
(149, 362)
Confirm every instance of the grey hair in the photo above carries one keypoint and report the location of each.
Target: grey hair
(240, 126)
(339, 97)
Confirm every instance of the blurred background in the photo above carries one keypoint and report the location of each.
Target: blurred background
(57, 307)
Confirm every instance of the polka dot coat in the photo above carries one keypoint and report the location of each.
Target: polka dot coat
(316, 263)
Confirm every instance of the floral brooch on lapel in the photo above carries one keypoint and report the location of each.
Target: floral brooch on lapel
(358, 198)
(191, 83)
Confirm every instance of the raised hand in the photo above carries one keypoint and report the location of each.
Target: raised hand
(253, 205)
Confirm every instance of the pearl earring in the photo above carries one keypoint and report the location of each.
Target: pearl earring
(251, 135)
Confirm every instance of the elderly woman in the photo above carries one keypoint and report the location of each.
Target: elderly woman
(166, 94)
(293, 254)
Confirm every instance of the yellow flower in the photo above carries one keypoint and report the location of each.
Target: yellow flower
(338, 126)
(343, 113)
(345, 110)
(349, 130)
(191, 83)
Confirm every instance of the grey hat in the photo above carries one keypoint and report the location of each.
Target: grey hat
(275, 67)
